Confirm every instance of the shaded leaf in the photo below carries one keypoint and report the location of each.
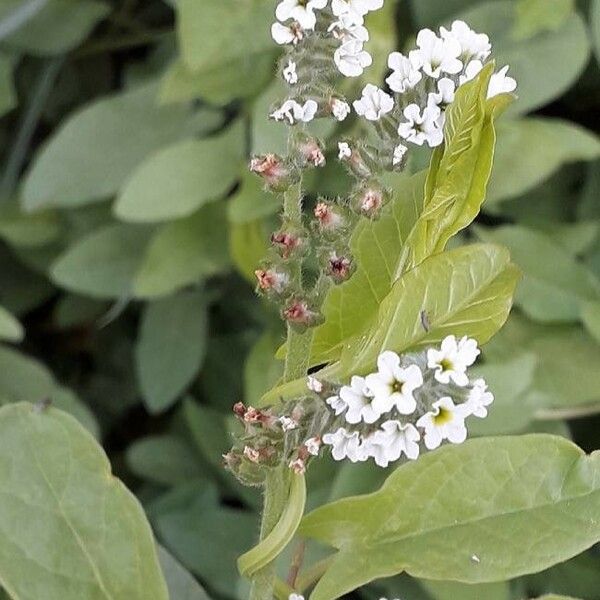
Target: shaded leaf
(534, 16)
(181, 584)
(10, 328)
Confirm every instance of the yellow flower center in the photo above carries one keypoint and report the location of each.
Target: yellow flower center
(398, 386)
(446, 365)
(443, 417)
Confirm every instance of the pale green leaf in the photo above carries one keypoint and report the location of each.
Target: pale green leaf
(530, 150)
(10, 328)
(450, 590)
(532, 501)
(535, 16)
(59, 26)
(545, 65)
(181, 583)
(554, 282)
(171, 347)
(248, 245)
(184, 252)
(104, 263)
(21, 229)
(252, 201)
(429, 13)
(262, 369)
(555, 597)
(590, 315)
(92, 153)
(179, 179)
(64, 513)
(595, 18)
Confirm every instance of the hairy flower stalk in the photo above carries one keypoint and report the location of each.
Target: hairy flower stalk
(408, 402)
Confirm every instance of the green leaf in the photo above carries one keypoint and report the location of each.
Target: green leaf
(545, 65)
(450, 590)
(28, 230)
(10, 328)
(8, 96)
(83, 529)
(554, 283)
(163, 459)
(248, 245)
(262, 370)
(555, 597)
(595, 19)
(530, 150)
(179, 179)
(171, 347)
(535, 16)
(89, 157)
(104, 263)
(466, 291)
(252, 202)
(532, 501)
(181, 584)
(58, 27)
(184, 252)
(217, 31)
(590, 315)
(428, 13)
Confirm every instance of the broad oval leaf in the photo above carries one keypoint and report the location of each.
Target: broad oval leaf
(71, 530)
(179, 179)
(10, 327)
(532, 501)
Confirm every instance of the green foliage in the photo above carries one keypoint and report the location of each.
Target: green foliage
(47, 454)
(534, 16)
(421, 522)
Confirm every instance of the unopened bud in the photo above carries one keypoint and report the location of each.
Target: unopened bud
(272, 169)
(287, 243)
(252, 454)
(298, 466)
(312, 445)
(369, 201)
(339, 268)
(300, 314)
(354, 159)
(239, 409)
(231, 460)
(311, 153)
(314, 385)
(272, 280)
(339, 109)
(328, 217)
(288, 424)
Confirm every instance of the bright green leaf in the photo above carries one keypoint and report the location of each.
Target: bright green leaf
(421, 522)
(179, 179)
(104, 263)
(171, 347)
(84, 531)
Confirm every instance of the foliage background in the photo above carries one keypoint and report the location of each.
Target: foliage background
(130, 230)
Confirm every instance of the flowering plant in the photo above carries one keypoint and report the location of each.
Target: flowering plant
(388, 380)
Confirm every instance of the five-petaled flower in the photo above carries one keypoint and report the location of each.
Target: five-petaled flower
(446, 421)
(301, 11)
(344, 444)
(452, 360)
(374, 103)
(421, 127)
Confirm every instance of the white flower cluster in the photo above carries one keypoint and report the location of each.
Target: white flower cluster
(424, 84)
(391, 410)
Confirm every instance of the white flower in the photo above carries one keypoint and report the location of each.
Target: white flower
(471, 71)
(473, 45)
(393, 385)
(479, 399)
(344, 444)
(406, 73)
(290, 74)
(312, 445)
(347, 29)
(445, 94)
(295, 597)
(445, 422)
(293, 112)
(357, 9)
(501, 84)
(340, 109)
(374, 103)
(344, 150)
(300, 10)
(282, 34)
(437, 55)
(419, 128)
(337, 404)
(359, 400)
(314, 385)
(288, 424)
(399, 151)
(453, 359)
(351, 59)
(398, 439)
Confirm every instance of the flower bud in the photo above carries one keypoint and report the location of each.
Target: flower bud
(251, 454)
(298, 466)
(239, 409)
(272, 281)
(369, 200)
(354, 159)
(272, 169)
(329, 217)
(310, 151)
(340, 109)
(288, 241)
(298, 313)
(339, 267)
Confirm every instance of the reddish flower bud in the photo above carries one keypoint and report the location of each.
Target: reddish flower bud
(311, 153)
(287, 242)
(298, 466)
(252, 454)
(239, 409)
(272, 280)
(339, 268)
(299, 313)
(329, 219)
(231, 460)
(272, 169)
(369, 201)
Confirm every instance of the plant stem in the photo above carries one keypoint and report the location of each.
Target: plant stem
(277, 482)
